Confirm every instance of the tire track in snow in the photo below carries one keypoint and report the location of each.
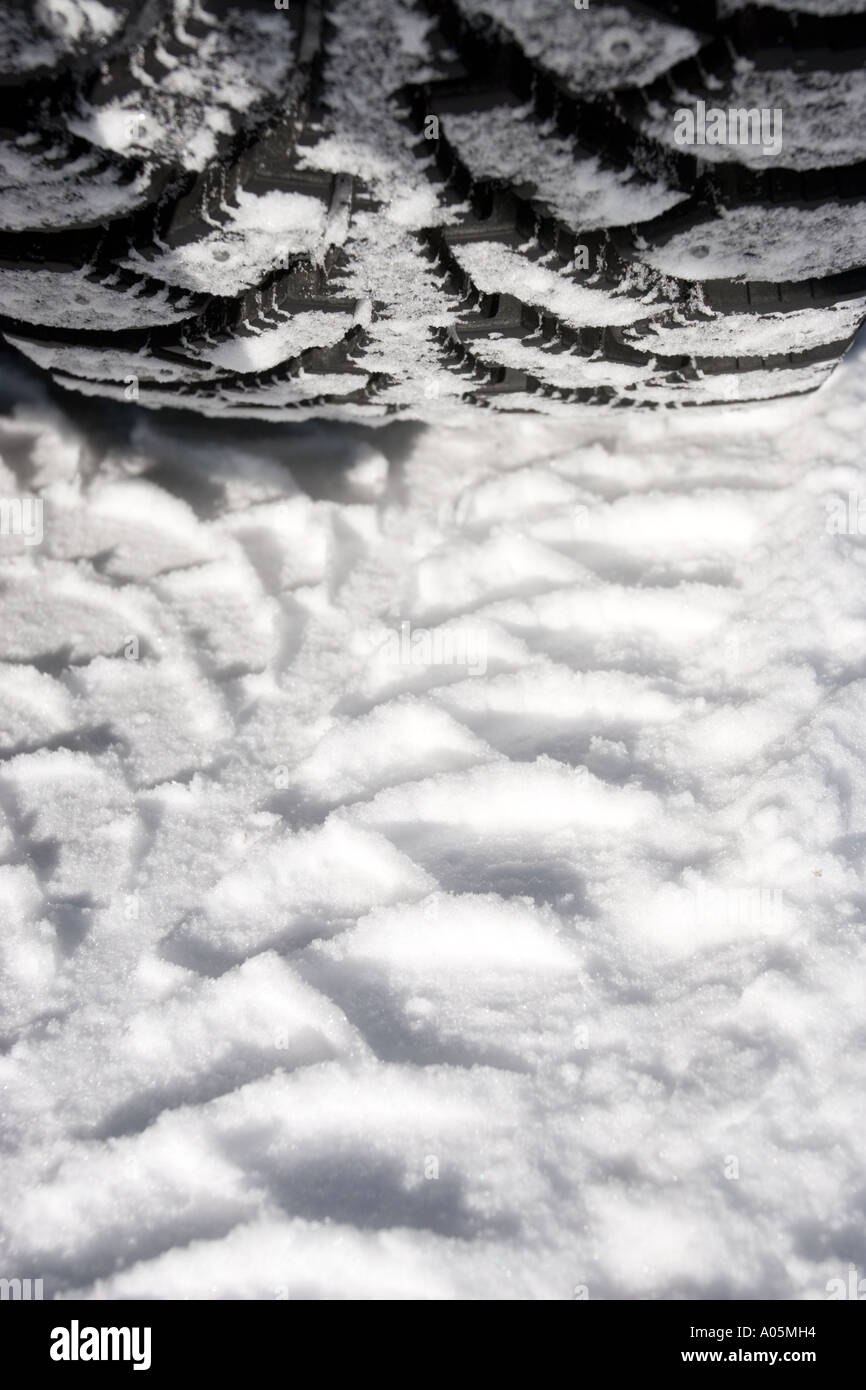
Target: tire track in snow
(360, 915)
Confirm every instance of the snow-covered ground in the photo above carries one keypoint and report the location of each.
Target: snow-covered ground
(432, 861)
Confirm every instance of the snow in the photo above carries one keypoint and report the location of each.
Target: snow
(593, 49)
(105, 364)
(52, 29)
(58, 299)
(496, 269)
(728, 386)
(766, 243)
(814, 116)
(504, 143)
(741, 335)
(256, 235)
(375, 50)
(73, 18)
(560, 369)
(192, 85)
(256, 352)
(818, 7)
(429, 855)
(50, 188)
